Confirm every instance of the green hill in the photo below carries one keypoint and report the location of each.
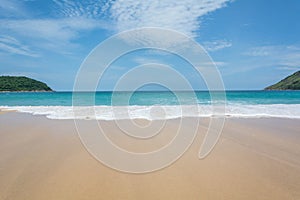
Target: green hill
(21, 83)
(291, 82)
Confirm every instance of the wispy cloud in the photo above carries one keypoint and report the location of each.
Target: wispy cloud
(216, 45)
(13, 46)
(69, 18)
(182, 16)
(285, 57)
(262, 51)
(270, 57)
(147, 60)
(220, 63)
(12, 8)
(212, 64)
(50, 33)
(59, 29)
(89, 8)
(57, 33)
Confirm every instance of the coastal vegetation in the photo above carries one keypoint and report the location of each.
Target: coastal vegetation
(291, 82)
(21, 83)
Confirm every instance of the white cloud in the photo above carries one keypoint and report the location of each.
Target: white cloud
(277, 57)
(74, 16)
(216, 45)
(262, 51)
(220, 64)
(147, 60)
(13, 46)
(182, 16)
(211, 64)
(12, 8)
(57, 33)
(8, 39)
(50, 33)
(286, 57)
(60, 29)
(77, 8)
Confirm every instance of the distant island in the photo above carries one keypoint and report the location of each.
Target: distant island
(21, 84)
(291, 82)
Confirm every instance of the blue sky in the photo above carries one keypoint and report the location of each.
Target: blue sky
(254, 43)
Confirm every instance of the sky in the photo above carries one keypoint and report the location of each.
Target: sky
(254, 43)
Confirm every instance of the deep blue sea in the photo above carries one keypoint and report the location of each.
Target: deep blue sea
(140, 103)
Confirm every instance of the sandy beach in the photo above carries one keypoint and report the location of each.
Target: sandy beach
(254, 159)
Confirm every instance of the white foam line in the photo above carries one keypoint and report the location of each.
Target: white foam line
(160, 112)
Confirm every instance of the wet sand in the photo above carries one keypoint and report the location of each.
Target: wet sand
(253, 159)
(3, 111)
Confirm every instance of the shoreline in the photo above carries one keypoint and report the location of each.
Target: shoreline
(161, 112)
(3, 111)
(43, 158)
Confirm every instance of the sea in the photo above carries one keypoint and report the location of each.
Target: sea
(153, 105)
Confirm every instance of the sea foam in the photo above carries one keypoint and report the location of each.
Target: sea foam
(157, 112)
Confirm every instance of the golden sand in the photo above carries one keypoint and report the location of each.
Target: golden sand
(254, 159)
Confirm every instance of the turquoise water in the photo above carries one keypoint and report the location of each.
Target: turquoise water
(148, 98)
(154, 105)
